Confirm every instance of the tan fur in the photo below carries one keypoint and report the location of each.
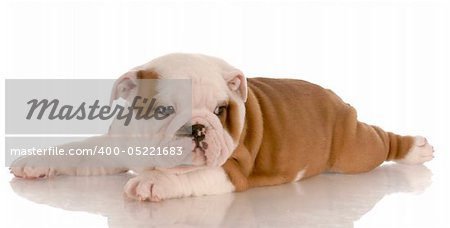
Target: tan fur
(146, 89)
(230, 120)
(291, 125)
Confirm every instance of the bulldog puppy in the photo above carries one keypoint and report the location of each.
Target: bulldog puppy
(253, 132)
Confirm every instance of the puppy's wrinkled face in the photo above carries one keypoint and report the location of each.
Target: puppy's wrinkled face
(217, 118)
(211, 120)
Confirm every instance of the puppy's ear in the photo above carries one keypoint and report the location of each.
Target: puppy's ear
(125, 87)
(237, 83)
(128, 85)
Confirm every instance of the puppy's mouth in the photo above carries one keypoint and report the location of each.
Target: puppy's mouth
(198, 156)
(202, 145)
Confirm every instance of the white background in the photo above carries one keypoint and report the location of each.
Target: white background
(389, 59)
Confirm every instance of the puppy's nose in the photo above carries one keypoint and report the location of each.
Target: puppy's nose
(198, 132)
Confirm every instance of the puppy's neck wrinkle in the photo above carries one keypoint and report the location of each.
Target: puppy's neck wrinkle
(251, 135)
(240, 164)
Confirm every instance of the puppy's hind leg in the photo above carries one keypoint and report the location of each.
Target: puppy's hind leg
(359, 147)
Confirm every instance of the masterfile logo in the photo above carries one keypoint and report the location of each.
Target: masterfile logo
(94, 111)
(80, 106)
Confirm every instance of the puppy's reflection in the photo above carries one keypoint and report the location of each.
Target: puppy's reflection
(324, 201)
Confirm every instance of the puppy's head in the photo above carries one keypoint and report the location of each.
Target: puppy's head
(211, 119)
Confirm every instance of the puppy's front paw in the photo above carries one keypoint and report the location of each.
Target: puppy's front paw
(420, 152)
(31, 167)
(154, 186)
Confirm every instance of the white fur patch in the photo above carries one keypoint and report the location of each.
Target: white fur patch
(299, 175)
(420, 152)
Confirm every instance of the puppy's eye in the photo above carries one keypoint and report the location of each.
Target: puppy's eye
(220, 110)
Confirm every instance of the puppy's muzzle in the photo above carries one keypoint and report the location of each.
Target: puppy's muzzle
(197, 132)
